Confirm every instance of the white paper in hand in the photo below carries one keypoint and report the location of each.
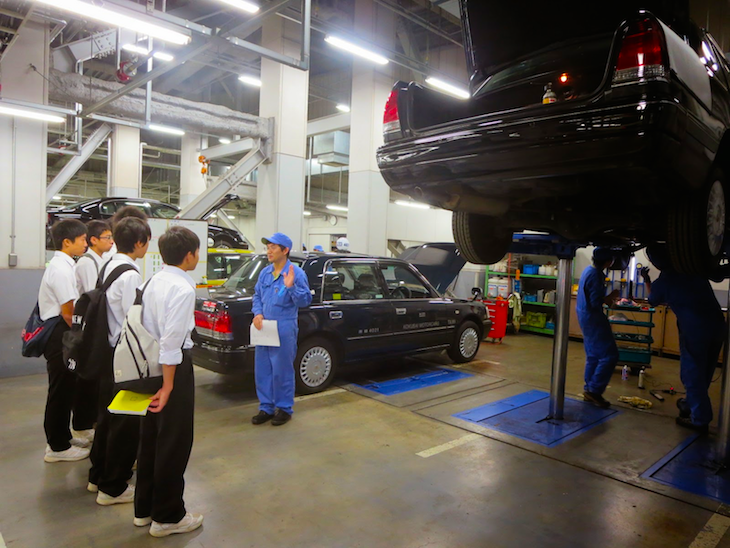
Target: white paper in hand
(268, 335)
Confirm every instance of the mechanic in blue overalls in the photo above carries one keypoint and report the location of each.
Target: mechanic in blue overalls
(701, 326)
(600, 347)
(281, 290)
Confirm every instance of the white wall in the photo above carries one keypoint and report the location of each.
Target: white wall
(418, 226)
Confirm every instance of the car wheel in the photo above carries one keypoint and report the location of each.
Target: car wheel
(222, 243)
(466, 343)
(696, 228)
(479, 238)
(315, 365)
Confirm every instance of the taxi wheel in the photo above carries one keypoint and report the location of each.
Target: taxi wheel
(466, 343)
(314, 366)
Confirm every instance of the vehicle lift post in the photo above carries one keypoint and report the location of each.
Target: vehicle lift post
(560, 343)
(722, 444)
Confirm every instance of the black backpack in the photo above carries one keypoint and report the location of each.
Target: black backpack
(86, 345)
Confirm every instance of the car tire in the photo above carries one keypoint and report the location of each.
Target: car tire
(696, 228)
(222, 243)
(315, 365)
(479, 238)
(466, 343)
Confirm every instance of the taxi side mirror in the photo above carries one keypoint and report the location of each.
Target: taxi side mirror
(477, 292)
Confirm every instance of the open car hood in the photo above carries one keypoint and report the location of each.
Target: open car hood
(439, 263)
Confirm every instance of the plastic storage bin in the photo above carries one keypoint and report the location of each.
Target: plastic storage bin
(530, 269)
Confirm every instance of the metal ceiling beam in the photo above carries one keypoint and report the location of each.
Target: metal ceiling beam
(417, 20)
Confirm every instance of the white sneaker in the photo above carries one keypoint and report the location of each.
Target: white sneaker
(69, 455)
(189, 523)
(141, 522)
(80, 442)
(107, 500)
(84, 434)
(92, 487)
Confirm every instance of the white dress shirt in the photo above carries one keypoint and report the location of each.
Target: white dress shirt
(87, 271)
(121, 294)
(168, 307)
(58, 286)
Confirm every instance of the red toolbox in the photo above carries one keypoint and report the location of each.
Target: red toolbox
(498, 314)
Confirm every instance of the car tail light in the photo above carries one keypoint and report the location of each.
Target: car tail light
(391, 120)
(643, 54)
(214, 325)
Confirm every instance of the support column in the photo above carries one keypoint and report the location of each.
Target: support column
(722, 444)
(192, 181)
(560, 343)
(284, 96)
(23, 154)
(368, 194)
(125, 163)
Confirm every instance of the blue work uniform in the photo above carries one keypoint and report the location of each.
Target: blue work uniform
(600, 347)
(274, 366)
(701, 335)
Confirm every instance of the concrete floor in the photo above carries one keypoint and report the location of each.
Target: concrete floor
(345, 472)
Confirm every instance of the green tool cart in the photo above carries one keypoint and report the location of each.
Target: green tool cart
(634, 342)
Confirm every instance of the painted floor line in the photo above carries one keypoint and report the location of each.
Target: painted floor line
(449, 445)
(314, 396)
(713, 532)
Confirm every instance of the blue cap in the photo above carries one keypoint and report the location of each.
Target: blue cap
(318, 248)
(279, 238)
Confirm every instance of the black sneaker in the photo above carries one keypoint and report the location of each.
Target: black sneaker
(687, 423)
(261, 418)
(596, 399)
(280, 417)
(684, 411)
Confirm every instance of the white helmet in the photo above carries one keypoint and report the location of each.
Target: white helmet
(343, 244)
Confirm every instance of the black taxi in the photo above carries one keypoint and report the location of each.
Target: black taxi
(363, 308)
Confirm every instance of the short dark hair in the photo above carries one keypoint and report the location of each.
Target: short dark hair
(176, 243)
(67, 229)
(284, 248)
(96, 228)
(129, 231)
(128, 211)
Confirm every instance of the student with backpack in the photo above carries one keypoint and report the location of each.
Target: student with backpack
(87, 273)
(168, 304)
(56, 298)
(117, 436)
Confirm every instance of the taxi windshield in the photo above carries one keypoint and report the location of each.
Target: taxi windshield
(244, 279)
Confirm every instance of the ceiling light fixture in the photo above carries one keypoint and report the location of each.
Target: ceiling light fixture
(356, 50)
(448, 88)
(117, 19)
(33, 115)
(307, 213)
(136, 49)
(56, 197)
(165, 129)
(250, 80)
(162, 56)
(224, 141)
(231, 217)
(343, 108)
(242, 5)
(417, 205)
(336, 207)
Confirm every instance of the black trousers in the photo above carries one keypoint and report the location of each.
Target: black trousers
(164, 451)
(115, 443)
(61, 389)
(85, 404)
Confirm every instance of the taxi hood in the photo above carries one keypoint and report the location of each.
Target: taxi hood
(439, 263)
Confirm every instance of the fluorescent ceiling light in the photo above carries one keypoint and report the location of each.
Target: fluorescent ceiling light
(165, 129)
(135, 49)
(412, 204)
(33, 115)
(117, 19)
(448, 88)
(307, 213)
(231, 217)
(336, 207)
(56, 197)
(242, 5)
(356, 50)
(343, 108)
(224, 141)
(250, 80)
(162, 56)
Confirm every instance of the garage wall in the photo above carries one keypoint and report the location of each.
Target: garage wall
(418, 225)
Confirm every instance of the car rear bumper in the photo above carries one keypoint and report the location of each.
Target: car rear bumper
(223, 359)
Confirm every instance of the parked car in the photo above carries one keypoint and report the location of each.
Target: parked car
(606, 127)
(224, 262)
(104, 208)
(363, 308)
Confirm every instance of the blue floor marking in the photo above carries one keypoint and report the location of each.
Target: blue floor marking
(689, 467)
(523, 416)
(424, 380)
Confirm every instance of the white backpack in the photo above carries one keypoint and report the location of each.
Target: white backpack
(136, 356)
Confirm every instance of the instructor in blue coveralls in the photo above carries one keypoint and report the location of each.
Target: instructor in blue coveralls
(600, 347)
(281, 290)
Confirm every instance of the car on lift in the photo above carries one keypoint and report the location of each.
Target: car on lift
(363, 308)
(104, 208)
(609, 128)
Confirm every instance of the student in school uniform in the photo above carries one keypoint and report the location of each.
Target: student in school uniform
(117, 436)
(123, 213)
(168, 303)
(56, 297)
(87, 273)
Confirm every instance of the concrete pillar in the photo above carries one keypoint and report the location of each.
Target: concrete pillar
(23, 154)
(192, 181)
(284, 96)
(368, 194)
(125, 163)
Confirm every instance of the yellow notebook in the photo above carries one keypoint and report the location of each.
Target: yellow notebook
(130, 403)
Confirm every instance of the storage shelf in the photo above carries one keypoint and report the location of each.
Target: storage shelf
(634, 338)
(512, 275)
(537, 330)
(631, 323)
(538, 304)
(632, 309)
